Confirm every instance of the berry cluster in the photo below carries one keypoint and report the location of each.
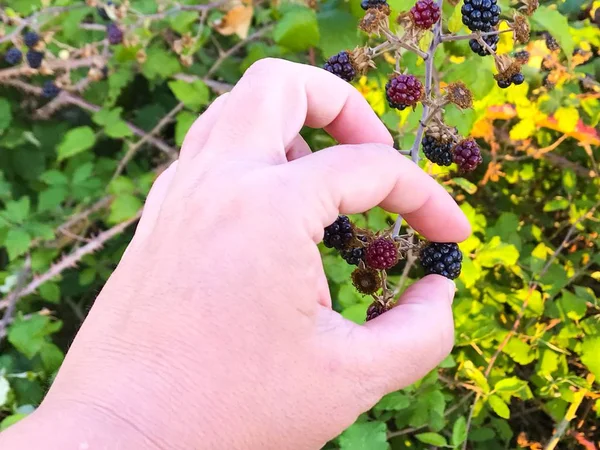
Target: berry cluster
(437, 151)
(443, 152)
(34, 55)
(516, 79)
(441, 259)
(50, 90)
(424, 14)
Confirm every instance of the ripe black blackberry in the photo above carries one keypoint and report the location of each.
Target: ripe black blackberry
(522, 57)
(551, 43)
(437, 151)
(366, 281)
(480, 15)
(354, 255)
(31, 38)
(403, 91)
(503, 84)
(340, 65)
(114, 34)
(34, 59)
(13, 56)
(381, 254)
(366, 4)
(491, 40)
(441, 259)
(467, 155)
(518, 78)
(424, 14)
(339, 234)
(50, 90)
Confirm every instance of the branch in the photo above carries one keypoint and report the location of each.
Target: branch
(54, 64)
(455, 37)
(11, 301)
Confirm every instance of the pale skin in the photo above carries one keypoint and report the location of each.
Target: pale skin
(216, 329)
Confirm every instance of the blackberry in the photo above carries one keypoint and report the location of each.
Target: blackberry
(442, 259)
(403, 91)
(354, 255)
(13, 56)
(114, 34)
(339, 234)
(381, 254)
(480, 15)
(50, 90)
(366, 281)
(491, 40)
(551, 43)
(518, 78)
(34, 59)
(467, 155)
(503, 83)
(31, 38)
(424, 14)
(366, 4)
(341, 66)
(437, 151)
(375, 310)
(522, 57)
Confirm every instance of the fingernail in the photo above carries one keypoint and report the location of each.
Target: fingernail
(451, 289)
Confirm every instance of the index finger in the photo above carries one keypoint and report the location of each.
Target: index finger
(275, 99)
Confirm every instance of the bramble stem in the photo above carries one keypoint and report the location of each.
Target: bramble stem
(464, 37)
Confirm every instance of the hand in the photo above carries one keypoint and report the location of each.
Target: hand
(216, 330)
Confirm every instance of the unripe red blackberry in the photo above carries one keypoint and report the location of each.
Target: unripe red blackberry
(424, 14)
(31, 38)
(114, 34)
(341, 66)
(381, 254)
(480, 15)
(50, 90)
(339, 234)
(403, 91)
(522, 57)
(491, 40)
(437, 151)
(34, 59)
(441, 259)
(366, 281)
(366, 4)
(467, 155)
(13, 56)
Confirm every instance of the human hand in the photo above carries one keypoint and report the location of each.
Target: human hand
(216, 330)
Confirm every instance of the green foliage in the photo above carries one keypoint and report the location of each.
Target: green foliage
(527, 312)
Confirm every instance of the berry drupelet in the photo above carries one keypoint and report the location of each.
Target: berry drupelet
(403, 91)
(341, 66)
(381, 254)
(467, 155)
(424, 14)
(339, 234)
(441, 259)
(13, 56)
(480, 15)
(114, 34)
(50, 90)
(366, 4)
(34, 59)
(437, 151)
(31, 39)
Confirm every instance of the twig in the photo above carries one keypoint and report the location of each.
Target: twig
(455, 37)
(11, 301)
(54, 64)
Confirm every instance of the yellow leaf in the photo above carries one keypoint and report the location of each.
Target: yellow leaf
(522, 130)
(506, 44)
(567, 118)
(236, 21)
(425, 41)
(455, 21)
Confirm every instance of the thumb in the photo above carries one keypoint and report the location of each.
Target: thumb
(402, 345)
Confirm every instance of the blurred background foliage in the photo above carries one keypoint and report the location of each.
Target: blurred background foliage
(75, 168)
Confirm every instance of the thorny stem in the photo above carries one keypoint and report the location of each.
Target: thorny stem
(455, 37)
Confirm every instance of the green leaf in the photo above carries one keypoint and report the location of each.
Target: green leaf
(185, 119)
(298, 29)
(513, 387)
(11, 420)
(459, 431)
(396, 401)
(337, 31)
(17, 211)
(5, 114)
(557, 204)
(76, 141)
(124, 207)
(365, 436)
(432, 439)
(455, 21)
(473, 373)
(193, 95)
(499, 406)
(519, 351)
(50, 292)
(590, 349)
(356, 313)
(183, 21)
(571, 306)
(4, 390)
(29, 335)
(17, 242)
(52, 357)
(160, 64)
(558, 25)
(469, 187)
(51, 198)
(496, 252)
(114, 126)
(54, 177)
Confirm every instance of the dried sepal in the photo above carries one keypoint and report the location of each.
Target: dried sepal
(507, 68)
(529, 6)
(366, 281)
(459, 94)
(375, 19)
(361, 60)
(521, 30)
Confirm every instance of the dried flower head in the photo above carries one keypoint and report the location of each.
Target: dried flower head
(507, 68)
(529, 6)
(459, 94)
(520, 29)
(361, 60)
(375, 19)
(366, 281)
(442, 132)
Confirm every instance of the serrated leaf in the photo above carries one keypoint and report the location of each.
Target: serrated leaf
(569, 180)
(558, 25)
(51, 198)
(52, 357)
(522, 130)
(298, 29)
(337, 31)
(556, 204)
(590, 351)
(455, 23)
(50, 292)
(365, 436)
(193, 95)
(459, 431)
(497, 252)
(160, 64)
(432, 439)
(124, 207)
(567, 118)
(474, 374)
(185, 119)
(571, 306)
(76, 141)
(499, 406)
(396, 401)
(17, 242)
(17, 210)
(29, 335)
